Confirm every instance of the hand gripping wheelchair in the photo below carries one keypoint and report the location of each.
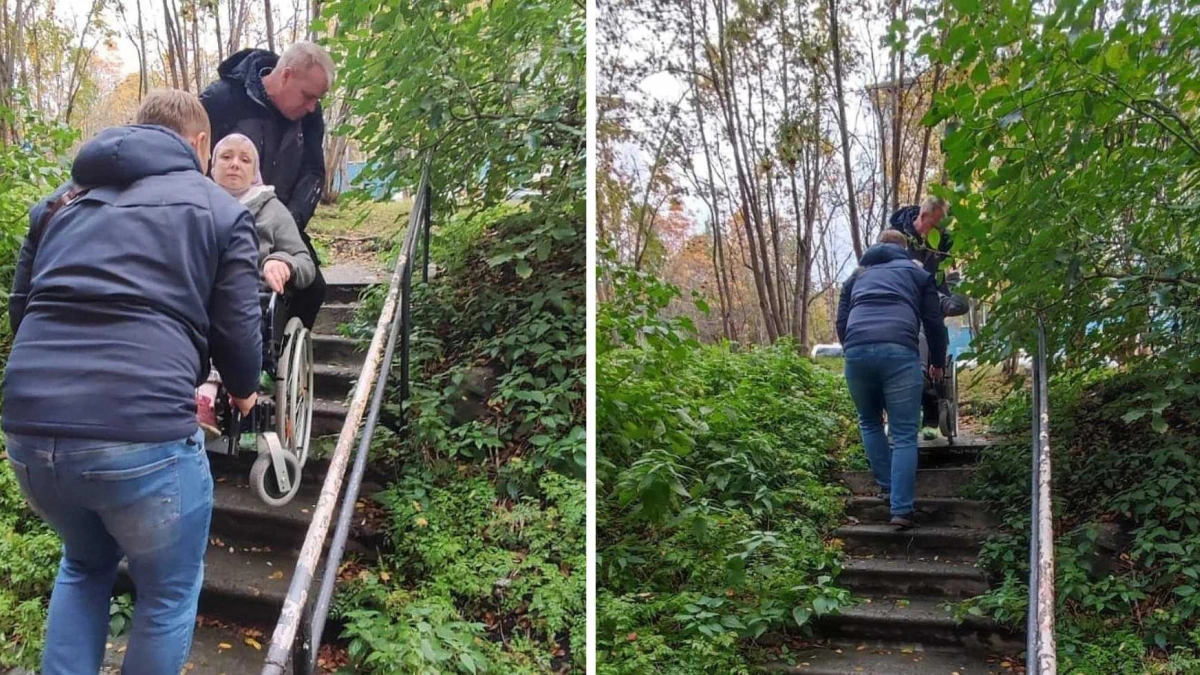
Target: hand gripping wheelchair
(279, 427)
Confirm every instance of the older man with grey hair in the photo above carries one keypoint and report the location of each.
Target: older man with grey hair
(275, 101)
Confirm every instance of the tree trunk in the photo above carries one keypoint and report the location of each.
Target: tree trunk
(197, 64)
(216, 10)
(143, 66)
(313, 16)
(270, 26)
(80, 63)
(937, 82)
(723, 83)
(718, 254)
(176, 52)
(855, 231)
(897, 113)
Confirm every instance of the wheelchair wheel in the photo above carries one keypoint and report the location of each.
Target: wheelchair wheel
(294, 391)
(265, 479)
(948, 405)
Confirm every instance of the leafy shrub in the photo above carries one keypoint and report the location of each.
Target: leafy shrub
(29, 551)
(1127, 521)
(715, 489)
(484, 567)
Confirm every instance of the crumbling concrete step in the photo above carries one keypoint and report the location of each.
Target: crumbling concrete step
(334, 382)
(930, 482)
(920, 620)
(930, 511)
(926, 541)
(216, 650)
(881, 576)
(899, 659)
(238, 512)
(328, 417)
(244, 580)
(345, 293)
(332, 315)
(338, 350)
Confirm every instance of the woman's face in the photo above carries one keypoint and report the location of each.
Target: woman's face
(233, 167)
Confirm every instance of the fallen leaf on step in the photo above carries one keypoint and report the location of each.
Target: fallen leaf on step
(278, 574)
(907, 650)
(1005, 664)
(254, 643)
(224, 645)
(861, 648)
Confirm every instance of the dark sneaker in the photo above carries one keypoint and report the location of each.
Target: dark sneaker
(903, 522)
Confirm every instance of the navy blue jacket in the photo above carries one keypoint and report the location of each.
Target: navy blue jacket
(886, 299)
(121, 298)
(289, 153)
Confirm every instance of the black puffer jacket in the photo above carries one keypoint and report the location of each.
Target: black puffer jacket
(905, 220)
(290, 154)
(886, 300)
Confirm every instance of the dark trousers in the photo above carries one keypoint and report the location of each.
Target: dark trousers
(306, 303)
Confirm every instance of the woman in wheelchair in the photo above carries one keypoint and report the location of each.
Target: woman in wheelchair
(284, 260)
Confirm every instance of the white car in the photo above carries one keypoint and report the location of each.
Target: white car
(833, 349)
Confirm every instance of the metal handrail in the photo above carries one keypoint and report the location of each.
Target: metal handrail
(1040, 654)
(301, 623)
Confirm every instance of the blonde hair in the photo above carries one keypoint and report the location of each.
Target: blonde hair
(178, 110)
(893, 237)
(304, 55)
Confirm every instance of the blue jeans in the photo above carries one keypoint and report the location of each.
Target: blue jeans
(887, 376)
(149, 502)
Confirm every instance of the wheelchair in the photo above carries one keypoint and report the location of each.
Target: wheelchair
(279, 428)
(939, 400)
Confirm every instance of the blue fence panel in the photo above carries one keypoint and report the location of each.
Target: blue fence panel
(353, 171)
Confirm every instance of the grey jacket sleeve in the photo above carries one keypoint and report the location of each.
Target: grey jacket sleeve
(235, 317)
(281, 241)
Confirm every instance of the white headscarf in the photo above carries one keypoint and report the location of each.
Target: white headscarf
(256, 184)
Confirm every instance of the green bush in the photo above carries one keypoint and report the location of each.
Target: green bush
(30, 169)
(1126, 519)
(484, 568)
(715, 489)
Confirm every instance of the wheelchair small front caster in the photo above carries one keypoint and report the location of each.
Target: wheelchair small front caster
(275, 475)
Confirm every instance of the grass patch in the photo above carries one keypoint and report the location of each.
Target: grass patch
(360, 219)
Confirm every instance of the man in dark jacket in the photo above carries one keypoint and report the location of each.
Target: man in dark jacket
(881, 310)
(275, 101)
(131, 278)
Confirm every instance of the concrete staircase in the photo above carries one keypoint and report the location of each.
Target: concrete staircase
(252, 547)
(905, 579)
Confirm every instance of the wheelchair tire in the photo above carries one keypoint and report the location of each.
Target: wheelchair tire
(294, 391)
(265, 483)
(948, 406)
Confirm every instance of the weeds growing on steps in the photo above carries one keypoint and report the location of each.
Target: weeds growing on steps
(1126, 462)
(484, 564)
(715, 489)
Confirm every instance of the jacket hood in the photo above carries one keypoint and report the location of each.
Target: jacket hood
(883, 253)
(256, 196)
(122, 155)
(244, 66)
